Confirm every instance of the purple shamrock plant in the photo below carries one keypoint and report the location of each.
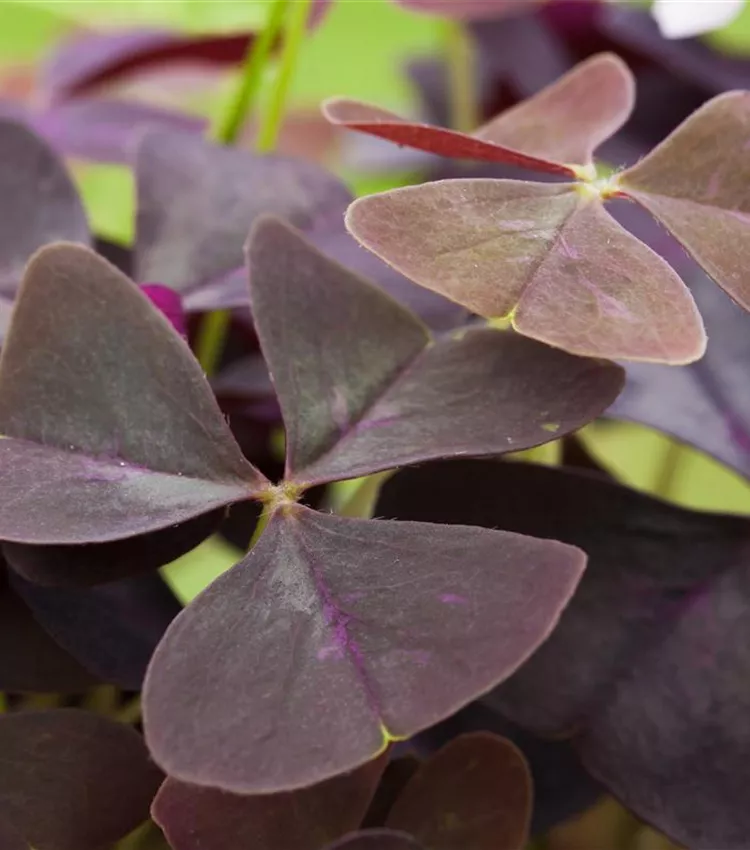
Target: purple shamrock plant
(116, 414)
(548, 257)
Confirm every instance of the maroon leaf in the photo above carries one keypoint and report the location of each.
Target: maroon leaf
(197, 202)
(546, 255)
(475, 793)
(40, 202)
(376, 839)
(299, 654)
(467, 9)
(113, 409)
(30, 660)
(554, 131)
(363, 387)
(695, 184)
(70, 780)
(196, 818)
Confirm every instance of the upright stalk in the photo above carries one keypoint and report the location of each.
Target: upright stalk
(294, 37)
(245, 97)
(460, 58)
(292, 18)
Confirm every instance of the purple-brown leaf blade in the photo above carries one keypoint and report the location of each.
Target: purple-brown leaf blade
(547, 255)
(30, 660)
(40, 202)
(197, 202)
(568, 120)
(695, 183)
(70, 780)
(363, 388)
(110, 427)
(395, 777)
(196, 818)
(376, 839)
(474, 793)
(312, 666)
(366, 118)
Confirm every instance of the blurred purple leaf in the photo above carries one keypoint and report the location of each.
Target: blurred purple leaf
(169, 303)
(379, 392)
(87, 62)
(196, 818)
(40, 202)
(70, 780)
(474, 793)
(106, 130)
(364, 655)
(10, 839)
(197, 202)
(112, 630)
(395, 777)
(467, 9)
(114, 409)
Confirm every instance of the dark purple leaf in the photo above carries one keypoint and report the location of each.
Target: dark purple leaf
(40, 202)
(206, 819)
(107, 130)
(695, 184)
(647, 666)
(197, 201)
(362, 387)
(85, 565)
(89, 61)
(554, 131)
(706, 404)
(110, 427)
(395, 777)
(70, 780)
(30, 660)
(112, 630)
(475, 793)
(301, 667)
(376, 839)
(547, 256)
